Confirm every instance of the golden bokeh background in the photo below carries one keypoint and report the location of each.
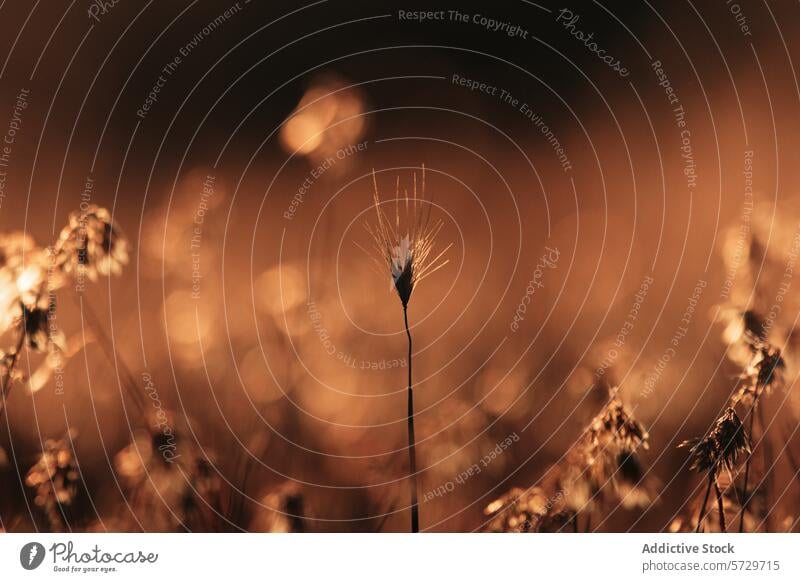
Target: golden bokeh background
(277, 354)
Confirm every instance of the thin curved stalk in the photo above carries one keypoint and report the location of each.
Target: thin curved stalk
(702, 514)
(412, 453)
(767, 454)
(745, 495)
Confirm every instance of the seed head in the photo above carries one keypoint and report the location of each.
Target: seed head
(764, 372)
(54, 478)
(91, 244)
(282, 510)
(404, 245)
(518, 510)
(722, 446)
(609, 454)
(615, 423)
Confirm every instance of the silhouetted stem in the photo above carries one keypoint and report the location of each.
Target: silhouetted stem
(705, 502)
(412, 454)
(720, 507)
(745, 494)
(767, 448)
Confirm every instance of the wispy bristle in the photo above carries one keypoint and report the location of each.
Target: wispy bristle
(726, 441)
(405, 247)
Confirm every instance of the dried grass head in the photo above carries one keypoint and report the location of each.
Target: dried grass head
(763, 373)
(609, 453)
(55, 478)
(404, 243)
(615, 425)
(91, 244)
(722, 446)
(519, 510)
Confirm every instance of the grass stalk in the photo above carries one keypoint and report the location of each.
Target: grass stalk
(720, 507)
(766, 447)
(412, 453)
(745, 494)
(702, 513)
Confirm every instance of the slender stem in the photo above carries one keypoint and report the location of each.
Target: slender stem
(767, 448)
(705, 502)
(720, 507)
(745, 495)
(412, 453)
(6, 389)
